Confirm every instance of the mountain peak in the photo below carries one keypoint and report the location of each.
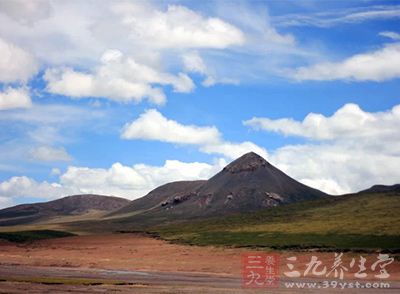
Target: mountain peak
(247, 162)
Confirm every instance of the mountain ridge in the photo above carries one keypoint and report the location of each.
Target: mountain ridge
(249, 183)
(66, 206)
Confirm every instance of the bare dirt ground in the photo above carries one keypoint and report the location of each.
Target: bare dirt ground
(133, 263)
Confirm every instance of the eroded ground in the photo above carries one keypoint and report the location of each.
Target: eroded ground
(133, 263)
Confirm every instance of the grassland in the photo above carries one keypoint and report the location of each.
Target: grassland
(358, 222)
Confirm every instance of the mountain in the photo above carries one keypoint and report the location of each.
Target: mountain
(249, 183)
(382, 189)
(160, 196)
(67, 206)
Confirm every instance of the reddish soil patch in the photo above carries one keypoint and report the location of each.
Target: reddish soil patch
(142, 253)
(134, 252)
(122, 251)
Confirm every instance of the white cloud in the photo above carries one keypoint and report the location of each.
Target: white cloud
(177, 27)
(379, 65)
(70, 36)
(233, 150)
(136, 181)
(55, 171)
(26, 187)
(16, 64)
(77, 32)
(5, 202)
(48, 153)
(340, 167)
(194, 63)
(74, 34)
(118, 78)
(152, 125)
(391, 35)
(118, 180)
(256, 22)
(15, 98)
(52, 115)
(26, 12)
(340, 16)
(352, 149)
(349, 122)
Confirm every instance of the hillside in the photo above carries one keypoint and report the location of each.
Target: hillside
(67, 206)
(249, 183)
(382, 189)
(360, 221)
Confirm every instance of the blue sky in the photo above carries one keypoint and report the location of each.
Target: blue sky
(119, 97)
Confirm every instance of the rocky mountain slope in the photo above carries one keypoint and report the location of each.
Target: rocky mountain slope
(249, 183)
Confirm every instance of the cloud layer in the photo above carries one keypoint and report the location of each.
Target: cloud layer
(152, 125)
(118, 78)
(378, 66)
(48, 153)
(15, 98)
(16, 64)
(177, 27)
(349, 151)
(119, 180)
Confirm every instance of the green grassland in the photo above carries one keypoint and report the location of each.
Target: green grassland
(364, 222)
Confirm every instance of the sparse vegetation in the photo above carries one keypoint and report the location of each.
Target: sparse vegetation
(365, 222)
(66, 281)
(28, 236)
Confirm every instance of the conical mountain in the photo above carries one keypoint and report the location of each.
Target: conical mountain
(249, 183)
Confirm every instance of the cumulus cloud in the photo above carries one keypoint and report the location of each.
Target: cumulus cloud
(378, 66)
(73, 34)
(118, 78)
(177, 27)
(349, 122)
(136, 181)
(119, 180)
(350, 150)
(152, 125)
(15, 98)
(339, 167)
(26, 187)
(69, 36)
(77, 32)
(48, 153)
(16, 64)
